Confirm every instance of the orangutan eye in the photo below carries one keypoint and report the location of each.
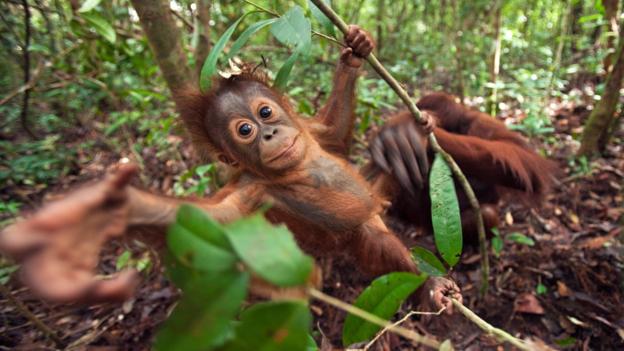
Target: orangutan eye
(265, 112)
(245, 129)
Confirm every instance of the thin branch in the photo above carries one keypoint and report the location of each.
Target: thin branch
(369, 317)
(461, 178)
(263, 9)
(24, 311)
(186, 22)
(500, 334)
(397, 323)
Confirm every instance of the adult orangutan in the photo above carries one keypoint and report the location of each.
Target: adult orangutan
(494, 159)
(291, 163)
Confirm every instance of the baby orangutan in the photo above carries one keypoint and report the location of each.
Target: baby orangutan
(281, 159)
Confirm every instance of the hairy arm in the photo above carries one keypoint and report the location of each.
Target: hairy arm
(338, 112)
(59, 246)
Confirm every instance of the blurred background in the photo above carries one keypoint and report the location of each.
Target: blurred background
(81, 88)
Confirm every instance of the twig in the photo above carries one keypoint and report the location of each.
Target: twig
(369, 317)
(397, 323)
(184, 20)
(26, 53)
(500, 334)
(24, 311)
(461, 178)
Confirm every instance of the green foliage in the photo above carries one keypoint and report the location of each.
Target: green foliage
(196, 181)
(520, 239)
(273, 326)
(497, 242)
(210, 65)
(38, 163)
(207, 261)
(201, 320)
(428, 262)
(125, 260)
(270, 252)
(101, 26)
(445, 215)
(382, 297)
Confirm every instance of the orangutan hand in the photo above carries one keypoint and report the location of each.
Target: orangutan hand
(59, 246)
(359, 46)
(436, 294)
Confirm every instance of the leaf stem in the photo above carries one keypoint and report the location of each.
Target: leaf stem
(369, 317)
(407, 100)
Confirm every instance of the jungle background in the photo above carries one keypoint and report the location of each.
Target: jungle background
(82, 87)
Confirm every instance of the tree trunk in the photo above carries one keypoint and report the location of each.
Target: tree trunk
(495, 64)
(165, 40)
(202, 26)
(611, 15)
(597, 132)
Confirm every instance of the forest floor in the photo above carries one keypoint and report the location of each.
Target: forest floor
(566, 290)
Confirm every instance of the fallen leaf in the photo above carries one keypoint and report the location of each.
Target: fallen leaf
(563, 289)
(509, 218)
(528, 303)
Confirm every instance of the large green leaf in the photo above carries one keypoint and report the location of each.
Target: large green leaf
(428, 262)
(210, 65)
(445, 212)
(202, 318)
(269, 251)
(198, 222)
(382, 298)
(327, 24)
(244, 37)
(198, 242)
(273, 326)
(101, 26)
(293, 28)
(284, 72)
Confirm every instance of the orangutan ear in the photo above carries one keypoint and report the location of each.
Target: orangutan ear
(227, 160)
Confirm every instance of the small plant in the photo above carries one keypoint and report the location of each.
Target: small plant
(196, 181)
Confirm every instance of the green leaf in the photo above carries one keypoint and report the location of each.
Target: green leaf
(445, 212)
(497, 245)
(5, 273)
(88, 5)
(520, 239)
(122, 260)
(284, 72)
(311, 346)
(101, 26)
(382, 298)
(428, 262)
(198, 242)
(210, 65)
(198, 222)
(293, 28)
(202, 317)
(269, 251)
(328, 26)
(273, 326)
(244, 37)
(541, 289)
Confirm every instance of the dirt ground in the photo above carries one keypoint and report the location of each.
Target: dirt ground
(566, 290)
